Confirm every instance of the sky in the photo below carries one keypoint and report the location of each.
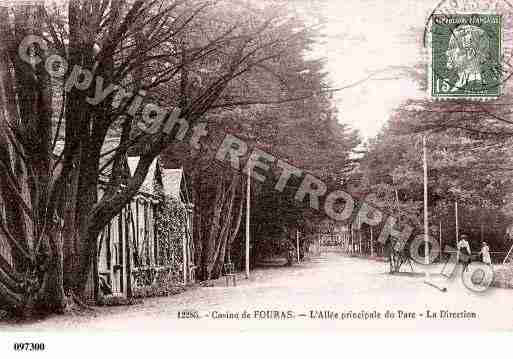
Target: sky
(365, 37)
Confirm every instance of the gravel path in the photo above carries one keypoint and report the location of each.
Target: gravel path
(333, 283)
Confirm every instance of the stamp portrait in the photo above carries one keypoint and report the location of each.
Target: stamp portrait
(466, 56)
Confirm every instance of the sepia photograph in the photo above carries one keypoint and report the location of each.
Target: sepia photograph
(254, 166)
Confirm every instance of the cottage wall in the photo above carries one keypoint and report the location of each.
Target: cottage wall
(131, 254)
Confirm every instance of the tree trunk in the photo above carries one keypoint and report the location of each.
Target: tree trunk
(51, 296)
(219, 240)
(70, 235)
(235, 231)
(210, 241)
(27, 215)
(219, 257)
(11, 292)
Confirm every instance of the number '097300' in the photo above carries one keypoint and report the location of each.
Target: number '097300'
(29, 347)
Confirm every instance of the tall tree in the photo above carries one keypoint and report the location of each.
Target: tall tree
(177, 54)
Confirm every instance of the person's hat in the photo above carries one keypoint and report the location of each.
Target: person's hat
(464, 236)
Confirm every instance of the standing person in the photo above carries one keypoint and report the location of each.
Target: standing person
(485, 254)
(464, 254)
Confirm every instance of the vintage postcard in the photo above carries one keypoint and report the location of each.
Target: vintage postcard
(185, 166)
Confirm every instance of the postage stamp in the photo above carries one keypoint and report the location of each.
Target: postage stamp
(193, 168)
(466, 56)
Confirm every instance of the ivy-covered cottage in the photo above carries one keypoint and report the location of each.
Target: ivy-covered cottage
(148, 246)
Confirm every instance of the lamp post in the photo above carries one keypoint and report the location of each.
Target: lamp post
(426, 224)
(248, 204)
(297, 245)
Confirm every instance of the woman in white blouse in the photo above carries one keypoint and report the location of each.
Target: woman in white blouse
(485, 254)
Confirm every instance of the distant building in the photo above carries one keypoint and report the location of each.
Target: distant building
(331, 237)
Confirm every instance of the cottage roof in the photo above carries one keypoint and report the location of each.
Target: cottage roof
(171, 178)
(172, 181)
(148, 184)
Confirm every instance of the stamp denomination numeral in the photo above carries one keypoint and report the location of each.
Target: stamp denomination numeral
(442, 85)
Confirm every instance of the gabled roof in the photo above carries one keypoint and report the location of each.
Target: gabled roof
(171, 178)
(148, 185)
(172, 181)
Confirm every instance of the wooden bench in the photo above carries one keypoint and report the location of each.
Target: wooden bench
(229, 273)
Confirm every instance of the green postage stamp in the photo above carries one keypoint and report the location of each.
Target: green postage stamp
(466, 56)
